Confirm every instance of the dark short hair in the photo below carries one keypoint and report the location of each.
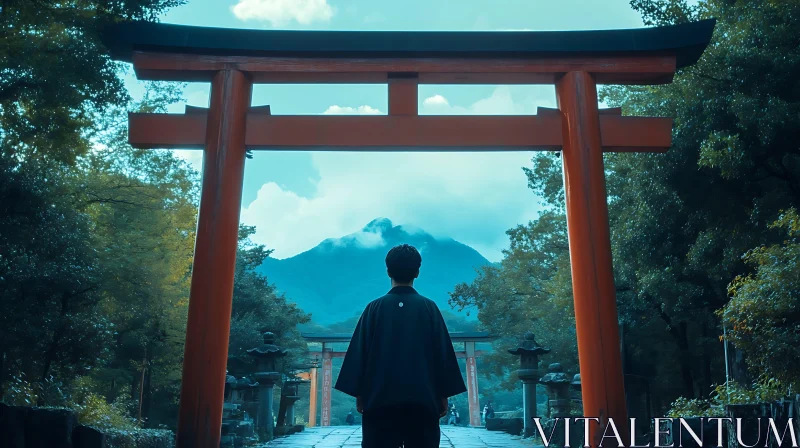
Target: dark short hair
(403, 263)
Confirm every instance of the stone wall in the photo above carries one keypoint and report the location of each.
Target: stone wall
(22, 427)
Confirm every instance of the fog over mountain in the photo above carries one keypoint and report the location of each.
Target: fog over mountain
(336, 279)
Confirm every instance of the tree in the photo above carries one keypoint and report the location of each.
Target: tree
(56, 83)
(143, 207)
(56, 78)
(49, 282)
(730, 172)
(528, 291)
(258, 307)
(763, 315)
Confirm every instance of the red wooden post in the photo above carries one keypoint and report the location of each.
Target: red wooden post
(327, 385)
(312, 399)
(472, 385)
(590, 255)
(211, 293)
(403, 96)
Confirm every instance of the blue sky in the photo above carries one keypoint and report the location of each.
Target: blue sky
(297, 199)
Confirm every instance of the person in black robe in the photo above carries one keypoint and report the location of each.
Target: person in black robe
(400, 364)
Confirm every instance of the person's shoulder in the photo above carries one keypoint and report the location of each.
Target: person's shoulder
(430, 305)
(428, 302)
(379, 300)
(376, 302)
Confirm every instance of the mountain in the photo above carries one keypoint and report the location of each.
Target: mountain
(335, 280)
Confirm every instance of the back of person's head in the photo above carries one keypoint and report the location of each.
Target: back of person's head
(403, 263)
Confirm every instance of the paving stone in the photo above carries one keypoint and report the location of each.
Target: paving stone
(350, 436)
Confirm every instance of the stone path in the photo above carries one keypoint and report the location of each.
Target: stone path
(350, 437)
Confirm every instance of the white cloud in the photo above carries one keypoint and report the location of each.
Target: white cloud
(435, 101)
(501, 102)
(369, 239)
(346, 110)
(280, 12)
(194, 157)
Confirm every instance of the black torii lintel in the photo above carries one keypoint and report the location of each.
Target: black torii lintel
(685, 41)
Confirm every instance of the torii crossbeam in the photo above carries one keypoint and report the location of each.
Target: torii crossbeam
(233, 59)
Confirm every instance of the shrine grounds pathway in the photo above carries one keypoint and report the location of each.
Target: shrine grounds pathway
(350, 437)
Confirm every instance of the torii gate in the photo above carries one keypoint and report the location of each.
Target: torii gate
(327, 354)
(233, 59)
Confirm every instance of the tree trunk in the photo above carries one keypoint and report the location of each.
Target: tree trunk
(679, 334)
(737, 365)
(685, 359)
(141, 387)
(2, 374)
(50, 354)
(147, 398)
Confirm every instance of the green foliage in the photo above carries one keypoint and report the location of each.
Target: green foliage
(528, 291)
(762, 391)
(763, 315)
(56, 78)
(139, 437)
(258, 307)
(19, 392)
(93, 410)
(681, 221)
(694, 407)
(49, 273)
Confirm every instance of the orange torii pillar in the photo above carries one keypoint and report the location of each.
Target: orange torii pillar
(594, 295)
(211, 290)
(327, 385)
(312, 399)
(472, 384)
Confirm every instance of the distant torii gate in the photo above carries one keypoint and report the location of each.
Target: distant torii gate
(234, 59)
(327, 354)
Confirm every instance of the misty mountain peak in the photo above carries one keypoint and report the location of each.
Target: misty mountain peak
(378, 225)
(335, 280)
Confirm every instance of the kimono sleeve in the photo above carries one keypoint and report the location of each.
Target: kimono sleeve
(448, 373)
(351, 376)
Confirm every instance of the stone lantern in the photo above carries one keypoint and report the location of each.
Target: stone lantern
(575, 385)
(529, 351)
(557, 385)
(267, 375)
(290, 394)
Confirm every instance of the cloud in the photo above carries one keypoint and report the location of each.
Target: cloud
(280, 12)
(194, 157)
(360, 110)
(369, 239)
(435, 101)
(504, 100)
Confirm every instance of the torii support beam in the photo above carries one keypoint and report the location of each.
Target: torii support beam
(575, 61)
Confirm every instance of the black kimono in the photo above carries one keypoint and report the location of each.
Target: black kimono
(401, 363)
